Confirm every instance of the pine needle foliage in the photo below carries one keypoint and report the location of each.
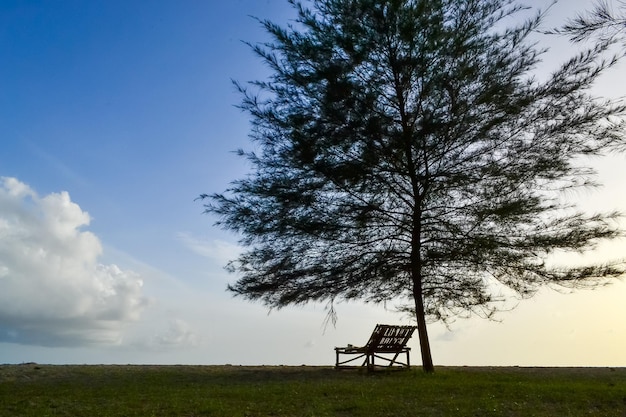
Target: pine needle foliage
(406, 151)
(606, 21)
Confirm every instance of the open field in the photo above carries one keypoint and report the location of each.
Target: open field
(191, 391)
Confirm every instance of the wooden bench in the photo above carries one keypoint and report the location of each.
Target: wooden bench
(386, 344)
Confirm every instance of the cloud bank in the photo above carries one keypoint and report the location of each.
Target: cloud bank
(53, 290)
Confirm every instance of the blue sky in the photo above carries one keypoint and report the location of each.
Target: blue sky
(114, 117)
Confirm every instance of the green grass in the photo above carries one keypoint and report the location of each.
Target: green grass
(191, 391)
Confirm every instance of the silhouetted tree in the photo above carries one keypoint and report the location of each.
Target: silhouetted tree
(405, 151)
(603, 22)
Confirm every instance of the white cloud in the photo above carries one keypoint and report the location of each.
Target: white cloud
(217, 250)
(179, 333)
(53, 290)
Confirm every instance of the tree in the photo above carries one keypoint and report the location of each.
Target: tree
(407, 152)
(603, 21)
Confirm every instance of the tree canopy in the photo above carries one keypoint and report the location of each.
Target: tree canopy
(604, 22)
(406, 150)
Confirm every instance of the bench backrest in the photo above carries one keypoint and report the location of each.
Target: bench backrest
(386, 338)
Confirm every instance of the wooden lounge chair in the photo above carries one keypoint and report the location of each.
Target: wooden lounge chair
(386, 343)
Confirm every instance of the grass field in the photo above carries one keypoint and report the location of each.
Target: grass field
(191, 391)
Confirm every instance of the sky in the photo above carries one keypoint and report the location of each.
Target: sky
(114, 117)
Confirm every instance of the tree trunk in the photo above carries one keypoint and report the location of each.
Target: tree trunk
(427, 360)
(418, 290)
